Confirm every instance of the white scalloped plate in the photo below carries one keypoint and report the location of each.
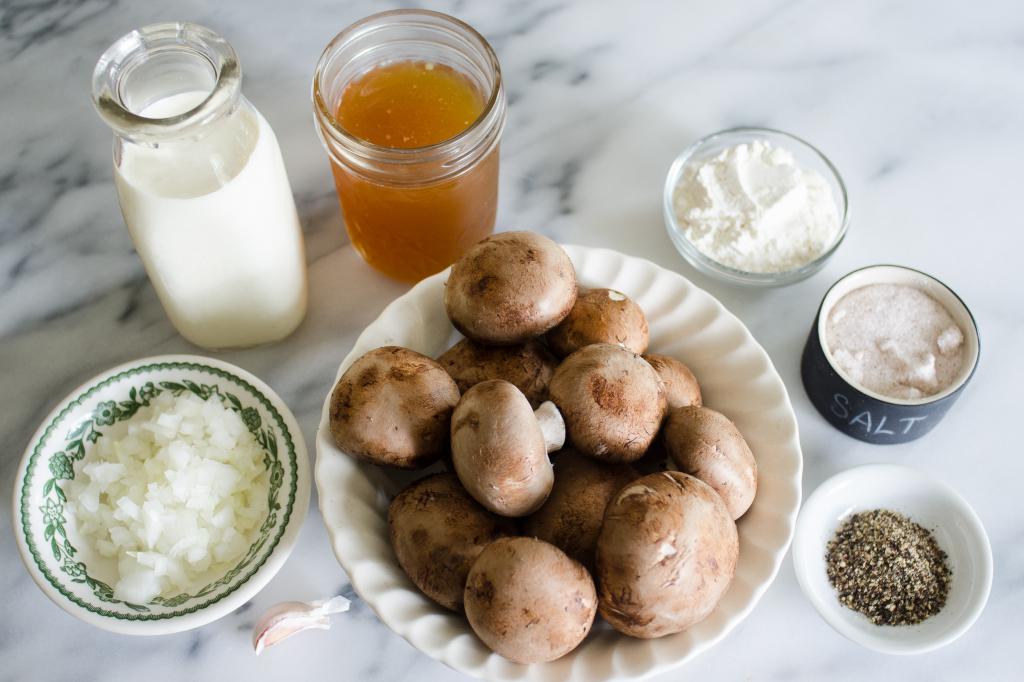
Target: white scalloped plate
(736, 378)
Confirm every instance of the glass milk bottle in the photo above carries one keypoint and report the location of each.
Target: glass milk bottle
(202, 186)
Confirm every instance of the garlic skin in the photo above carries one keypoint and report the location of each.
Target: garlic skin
(283, 620)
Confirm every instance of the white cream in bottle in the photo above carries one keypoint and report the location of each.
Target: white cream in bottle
(202, 186)
(214, 221)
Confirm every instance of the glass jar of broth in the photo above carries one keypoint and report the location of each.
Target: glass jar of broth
(410, 107)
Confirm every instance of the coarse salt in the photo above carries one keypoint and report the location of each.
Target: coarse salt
(895, 340)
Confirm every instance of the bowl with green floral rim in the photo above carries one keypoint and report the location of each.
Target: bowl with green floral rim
(76, 576)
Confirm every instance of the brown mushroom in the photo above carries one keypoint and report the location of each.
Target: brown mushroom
(509, 288)
(528, 366)
(600, 316)
(656, 457)
(611, 400)
(571, 517)
(437, 531)
(528, 601)
(666, 555)
(681, 387)
(500, 447)
(706, 444)
(392, 407)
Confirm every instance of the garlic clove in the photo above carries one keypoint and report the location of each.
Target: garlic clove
(283, 620)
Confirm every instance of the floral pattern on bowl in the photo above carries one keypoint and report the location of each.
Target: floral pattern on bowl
(77, 578)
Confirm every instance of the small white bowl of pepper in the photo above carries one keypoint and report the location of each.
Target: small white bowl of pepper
(892, 558)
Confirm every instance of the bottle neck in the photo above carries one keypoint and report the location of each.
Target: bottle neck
(166, 81)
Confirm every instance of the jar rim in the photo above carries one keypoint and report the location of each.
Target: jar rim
(380, 21)
(126, 52)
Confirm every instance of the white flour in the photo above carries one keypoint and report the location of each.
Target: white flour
(895, 340)
(754, 209)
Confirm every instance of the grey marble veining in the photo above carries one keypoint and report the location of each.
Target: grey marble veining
(919, 104)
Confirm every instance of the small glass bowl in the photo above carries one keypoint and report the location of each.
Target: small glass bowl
(709, 147)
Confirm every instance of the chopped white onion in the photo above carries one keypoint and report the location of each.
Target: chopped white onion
(176, 494)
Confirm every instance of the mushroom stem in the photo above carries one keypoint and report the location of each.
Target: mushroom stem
(551, 425)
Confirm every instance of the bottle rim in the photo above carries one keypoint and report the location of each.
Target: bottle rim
(115, 66)
(455, 152)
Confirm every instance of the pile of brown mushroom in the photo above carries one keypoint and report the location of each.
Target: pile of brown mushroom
(531, 551)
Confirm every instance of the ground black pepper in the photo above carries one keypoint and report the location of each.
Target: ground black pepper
(887, 567)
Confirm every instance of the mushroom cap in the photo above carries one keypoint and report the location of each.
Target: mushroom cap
(510, 287)
(679, 383)
(499, 451)
(437, 531)
(706, 444)
(600, 316)
(611, 400)
(571, 517)
(528, 601)
(392, 407)
(666, 555)
(528, 366)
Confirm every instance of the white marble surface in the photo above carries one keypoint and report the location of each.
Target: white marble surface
(920, 105)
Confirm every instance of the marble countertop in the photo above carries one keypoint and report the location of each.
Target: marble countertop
(919, 104)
